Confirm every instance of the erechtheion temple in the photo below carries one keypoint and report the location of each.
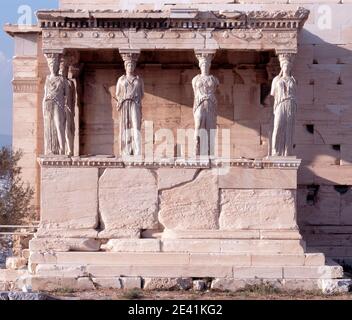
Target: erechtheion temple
(175, 141)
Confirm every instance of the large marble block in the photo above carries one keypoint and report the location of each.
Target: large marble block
(69, 198)
(128, 200)
(192, 206)
(258, 209)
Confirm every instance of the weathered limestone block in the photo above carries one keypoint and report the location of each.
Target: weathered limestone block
(167, 283)
(48, 283)
(258, 209)
(333, 286)
(64, 244)
(193, 206)
(320, 272)
(16, 263)
(170, 177)
(257, 272)
(69, 198)
(66, 270)
(128, 199)
(244, 178)
(346, 208)
(132, 245)
(131, 283)
(199, 285)
(230, 284)
(314, 259)
(323, 209)
(107, 283)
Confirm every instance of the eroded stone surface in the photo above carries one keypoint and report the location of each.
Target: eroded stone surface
(16, 263)
(171, 177)
(167, 283)
(193, 206)
(128, 199)
(69, 198)
(132, 245)
(64, 244)
(258, 209)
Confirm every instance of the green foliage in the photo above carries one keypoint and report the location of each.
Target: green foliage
(15, 195)
(133, 294)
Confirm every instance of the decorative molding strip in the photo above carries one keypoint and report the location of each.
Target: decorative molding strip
(76, 162)
(25, 86)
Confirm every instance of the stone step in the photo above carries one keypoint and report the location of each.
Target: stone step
(169, 271)
(248, 246)
(175, 259)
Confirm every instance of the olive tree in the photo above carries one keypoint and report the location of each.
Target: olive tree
(15, 194)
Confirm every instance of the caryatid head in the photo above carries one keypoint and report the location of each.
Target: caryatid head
(53, 60)
(286, 64)
(130, 61)
(204, 60)
(64, 67)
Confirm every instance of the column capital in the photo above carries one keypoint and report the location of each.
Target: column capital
(54, 51)
(130, 54)
(286, 51)
(287, 57)
(205, 52)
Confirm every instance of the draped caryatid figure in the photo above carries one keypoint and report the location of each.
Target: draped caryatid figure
(285, 108)
(205, 105)
(129, 94)
(54, 108)
(70, 104)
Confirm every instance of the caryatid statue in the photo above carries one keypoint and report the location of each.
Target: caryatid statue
(205, 105)
(129, 94)
(54, 108)
(285, 107)
(70, 104)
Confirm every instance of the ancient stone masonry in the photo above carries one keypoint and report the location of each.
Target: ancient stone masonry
(170, 150)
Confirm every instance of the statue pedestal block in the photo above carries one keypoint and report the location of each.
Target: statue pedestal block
(233, 221)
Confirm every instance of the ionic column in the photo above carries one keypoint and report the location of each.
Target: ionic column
(285, 107)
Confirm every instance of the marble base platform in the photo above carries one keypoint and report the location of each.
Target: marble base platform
(106, 222)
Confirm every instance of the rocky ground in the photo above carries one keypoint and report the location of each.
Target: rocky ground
(255, 294)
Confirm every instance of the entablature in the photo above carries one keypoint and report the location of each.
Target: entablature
(177, 29)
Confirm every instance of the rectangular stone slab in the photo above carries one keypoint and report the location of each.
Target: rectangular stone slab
(244, 178)
(69, 198)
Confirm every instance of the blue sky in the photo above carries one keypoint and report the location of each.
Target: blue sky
(9, 14)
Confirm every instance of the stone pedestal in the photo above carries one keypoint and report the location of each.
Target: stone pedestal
(232, 221)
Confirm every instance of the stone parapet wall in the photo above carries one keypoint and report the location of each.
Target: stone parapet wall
(102, 200)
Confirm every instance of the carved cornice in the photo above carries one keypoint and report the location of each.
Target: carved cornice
(274, 163)
(173, 19)
(186, 29)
